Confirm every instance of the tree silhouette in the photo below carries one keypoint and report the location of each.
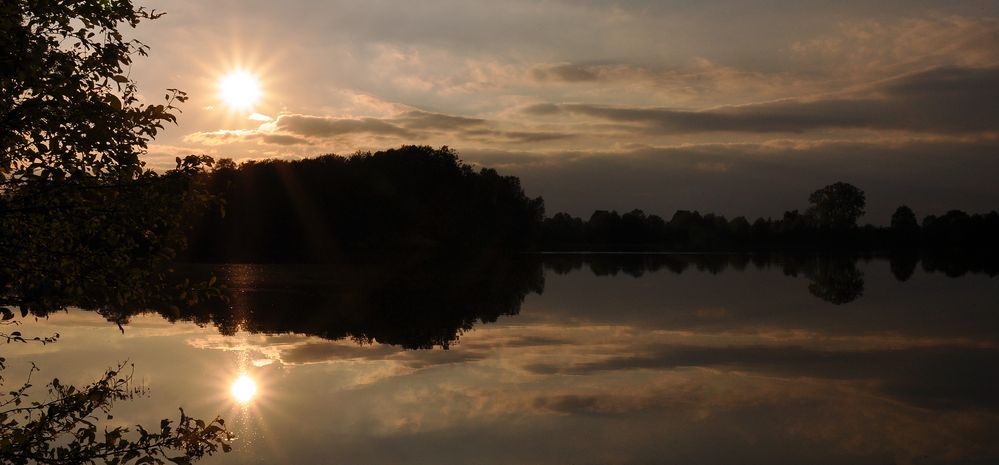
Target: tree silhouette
(414, 302)
(82, 222)
(836, 280)
(903, 265)
(68, 108)
(904, 220)
(78, 209)
(403, 200)
(837, 206)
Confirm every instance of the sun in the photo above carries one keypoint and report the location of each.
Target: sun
(243, 389)
(240, 90)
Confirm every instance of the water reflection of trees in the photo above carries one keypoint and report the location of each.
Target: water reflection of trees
(430, 301)
(833, 278)
(416, 303)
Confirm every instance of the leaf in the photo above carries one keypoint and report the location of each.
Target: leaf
(120, 78)
(130, 455)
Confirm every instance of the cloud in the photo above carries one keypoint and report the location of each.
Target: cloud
(231, 136)
(941, 100)
(569, 73)
(873, 47)
(317, 352)
(407, 127)
(296, 129)
(436, 121)
(701, 82)
(326, 127)
(335, 351)
(938, 377)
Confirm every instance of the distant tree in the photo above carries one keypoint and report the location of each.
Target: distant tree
(837, 206)
(791, 224)
(563, 229)
(682, 228)
(656, 228)
(904, 220)
(740, 226)
(604, 227)
(634, 227)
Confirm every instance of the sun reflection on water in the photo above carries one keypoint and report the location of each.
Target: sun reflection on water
(243, 389)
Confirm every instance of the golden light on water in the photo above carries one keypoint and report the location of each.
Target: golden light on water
(243, 389)
(240, 90)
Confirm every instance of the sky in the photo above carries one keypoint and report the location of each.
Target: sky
(738, 107)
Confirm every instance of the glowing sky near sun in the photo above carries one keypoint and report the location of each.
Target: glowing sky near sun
(240, 90)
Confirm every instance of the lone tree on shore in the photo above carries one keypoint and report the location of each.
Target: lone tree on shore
(837, 206)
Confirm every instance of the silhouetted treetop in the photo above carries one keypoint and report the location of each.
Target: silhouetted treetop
(837, 205)
(904, 220)
(410, 198)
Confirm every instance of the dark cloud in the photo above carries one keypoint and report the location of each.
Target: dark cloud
(236, 136)
(535, 136)
(282, 139)
(515, 137)
(675, 398)
(318, 352)
(436, 121)
(567, 73)
(535, 341)
(942, 100)
(411, 127)
(938, 377)
(544, 109)
(602, 404)
(324, 127)
(431, 358)
(315, 352)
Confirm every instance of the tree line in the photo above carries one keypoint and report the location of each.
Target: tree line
(417, 199)
(330, 207)
(829, 224)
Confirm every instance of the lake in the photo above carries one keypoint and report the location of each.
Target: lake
(567, 359)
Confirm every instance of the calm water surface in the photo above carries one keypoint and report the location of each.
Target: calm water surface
(579, 360)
